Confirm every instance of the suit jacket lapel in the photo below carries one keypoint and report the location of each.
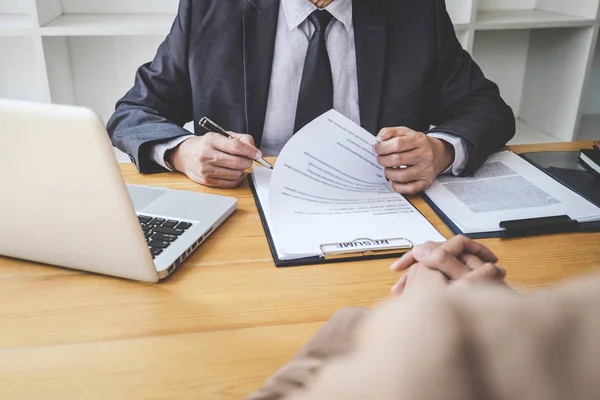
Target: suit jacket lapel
(370, 31)
(260, 28)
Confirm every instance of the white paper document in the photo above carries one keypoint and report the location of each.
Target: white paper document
(506, 188)
(327, 187)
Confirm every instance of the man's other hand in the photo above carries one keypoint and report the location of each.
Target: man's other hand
(421, 158)
(458, 259)
(214, 160)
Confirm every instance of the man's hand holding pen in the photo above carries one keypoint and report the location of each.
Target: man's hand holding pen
(215, 160)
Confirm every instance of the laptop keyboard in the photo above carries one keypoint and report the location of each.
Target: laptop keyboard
(160, 232)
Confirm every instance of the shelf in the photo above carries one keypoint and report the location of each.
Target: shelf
(121, 24)
(527, 134)
(15, 24)
(461, 26)
(109, 25)
(527, 19)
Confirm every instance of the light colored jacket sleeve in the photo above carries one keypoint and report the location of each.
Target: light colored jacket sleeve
(335, 338)
(472, 343)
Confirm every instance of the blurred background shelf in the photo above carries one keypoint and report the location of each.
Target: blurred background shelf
(109, 25)
(528, 19)
(543, 54)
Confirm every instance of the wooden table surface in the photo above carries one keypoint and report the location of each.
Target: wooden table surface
(223, 322)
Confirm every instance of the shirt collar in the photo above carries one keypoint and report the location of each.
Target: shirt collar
(297, 11)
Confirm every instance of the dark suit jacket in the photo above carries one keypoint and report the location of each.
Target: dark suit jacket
(217, 62)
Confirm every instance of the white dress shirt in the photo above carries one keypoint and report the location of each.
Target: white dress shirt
(294, 31)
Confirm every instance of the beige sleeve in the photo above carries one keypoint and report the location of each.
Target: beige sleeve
(473, 343)
(335, 338)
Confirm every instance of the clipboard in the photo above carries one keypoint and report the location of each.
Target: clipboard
(583, 184)
(360, 249)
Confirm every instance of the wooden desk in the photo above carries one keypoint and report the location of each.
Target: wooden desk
(221, 324)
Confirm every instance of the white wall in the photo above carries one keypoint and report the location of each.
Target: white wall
(591, 104)
(19, 70)
(460, 10)
(119, 56)
(581, 8)
(14, 6)
(503, 58)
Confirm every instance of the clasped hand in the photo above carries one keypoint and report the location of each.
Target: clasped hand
(434, 265)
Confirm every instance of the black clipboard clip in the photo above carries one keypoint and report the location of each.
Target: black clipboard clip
(539, 226)
(365, 248)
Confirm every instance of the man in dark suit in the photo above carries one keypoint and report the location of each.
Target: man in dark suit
(268, 67)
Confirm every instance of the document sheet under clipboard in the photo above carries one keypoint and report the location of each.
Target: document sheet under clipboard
(506, 188)
(327, 187)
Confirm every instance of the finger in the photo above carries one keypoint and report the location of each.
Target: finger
(460, 244)
(215, 172)
(487, 273)
(436, 257)
(234, 147)
(411, 157)
(388, 133)
(398, 144)
(404, 175)
(398, 288)
(423, 280)
(404, 262)
(220, 159)
(410, 188)
(412, 273)
(217, 183)
(472, 261)
(248, 139)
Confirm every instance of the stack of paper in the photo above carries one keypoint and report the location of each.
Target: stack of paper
(327, 187)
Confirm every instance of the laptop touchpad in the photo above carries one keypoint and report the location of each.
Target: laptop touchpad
(142, 197)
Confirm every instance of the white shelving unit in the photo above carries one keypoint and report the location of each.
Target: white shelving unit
(542, 54)
(108, 25)
(527, 19)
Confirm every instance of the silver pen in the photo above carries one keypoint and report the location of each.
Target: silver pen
(213, 127)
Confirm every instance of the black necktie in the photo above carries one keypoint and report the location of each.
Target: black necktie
(316, 88)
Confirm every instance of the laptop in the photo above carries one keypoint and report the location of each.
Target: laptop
(63, 200)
